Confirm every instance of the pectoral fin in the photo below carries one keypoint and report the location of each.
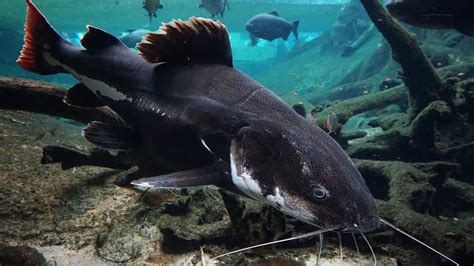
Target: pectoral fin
(253, 40)
(110, 136)
(81, 96)
(209, 175)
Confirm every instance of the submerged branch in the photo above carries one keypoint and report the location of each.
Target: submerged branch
(357, 105)
(421, 79)
(40, 97)
(423, 126)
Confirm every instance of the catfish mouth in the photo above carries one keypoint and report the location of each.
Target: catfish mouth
(361, 228)
(365, 226)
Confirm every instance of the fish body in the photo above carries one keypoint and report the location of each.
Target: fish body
(151, 6)
(270, 26)
(435, 14)
(332, 123)
(133, 37)
(192, 119)
(215, 7)
(311, 117)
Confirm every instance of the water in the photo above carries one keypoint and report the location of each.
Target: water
(404, 118)
(119, 16)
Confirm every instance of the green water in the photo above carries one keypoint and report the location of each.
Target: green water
(118, 16)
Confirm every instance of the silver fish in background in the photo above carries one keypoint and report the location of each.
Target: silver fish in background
(133, 37)
(270, 26)
(435, 14)
(332, 123)
(182, 101)
(151, 6)
(312, 117)
(215, 7)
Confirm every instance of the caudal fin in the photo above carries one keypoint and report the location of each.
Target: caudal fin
(42, 42)
(295, 28)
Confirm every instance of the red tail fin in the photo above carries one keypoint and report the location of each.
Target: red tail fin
(40, 38)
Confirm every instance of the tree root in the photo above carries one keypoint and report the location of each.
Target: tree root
(422, 81)
(423, 126)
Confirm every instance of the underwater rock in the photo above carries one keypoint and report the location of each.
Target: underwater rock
(451, 236)
(254, 222)
(454, 199)
(463, 155)
(412, 195)
(194, 218)
(20, 255)
(126, 242)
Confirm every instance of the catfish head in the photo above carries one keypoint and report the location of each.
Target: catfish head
(304, 173)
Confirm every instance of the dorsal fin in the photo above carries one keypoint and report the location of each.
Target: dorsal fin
(274, 13)
(96, 39)
(197, 40)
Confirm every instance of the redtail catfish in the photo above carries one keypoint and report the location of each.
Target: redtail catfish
(186, 109)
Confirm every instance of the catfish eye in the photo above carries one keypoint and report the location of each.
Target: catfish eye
(319, 193)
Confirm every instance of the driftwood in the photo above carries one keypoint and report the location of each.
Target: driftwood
(97, 157)
(423, 83)
(44, 98)
(357, 105)
(422, 128)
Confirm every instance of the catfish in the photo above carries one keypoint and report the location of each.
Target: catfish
(196, 120)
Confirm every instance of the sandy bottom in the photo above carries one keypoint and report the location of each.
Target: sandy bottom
(65, 214)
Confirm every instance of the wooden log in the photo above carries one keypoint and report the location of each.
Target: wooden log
(357, 105)
(44, 98)
(422, 81)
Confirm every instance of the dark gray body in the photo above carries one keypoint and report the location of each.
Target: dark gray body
(194, 122)
(132, 38)
(435, 14)
(270, 26)
(187, 95)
